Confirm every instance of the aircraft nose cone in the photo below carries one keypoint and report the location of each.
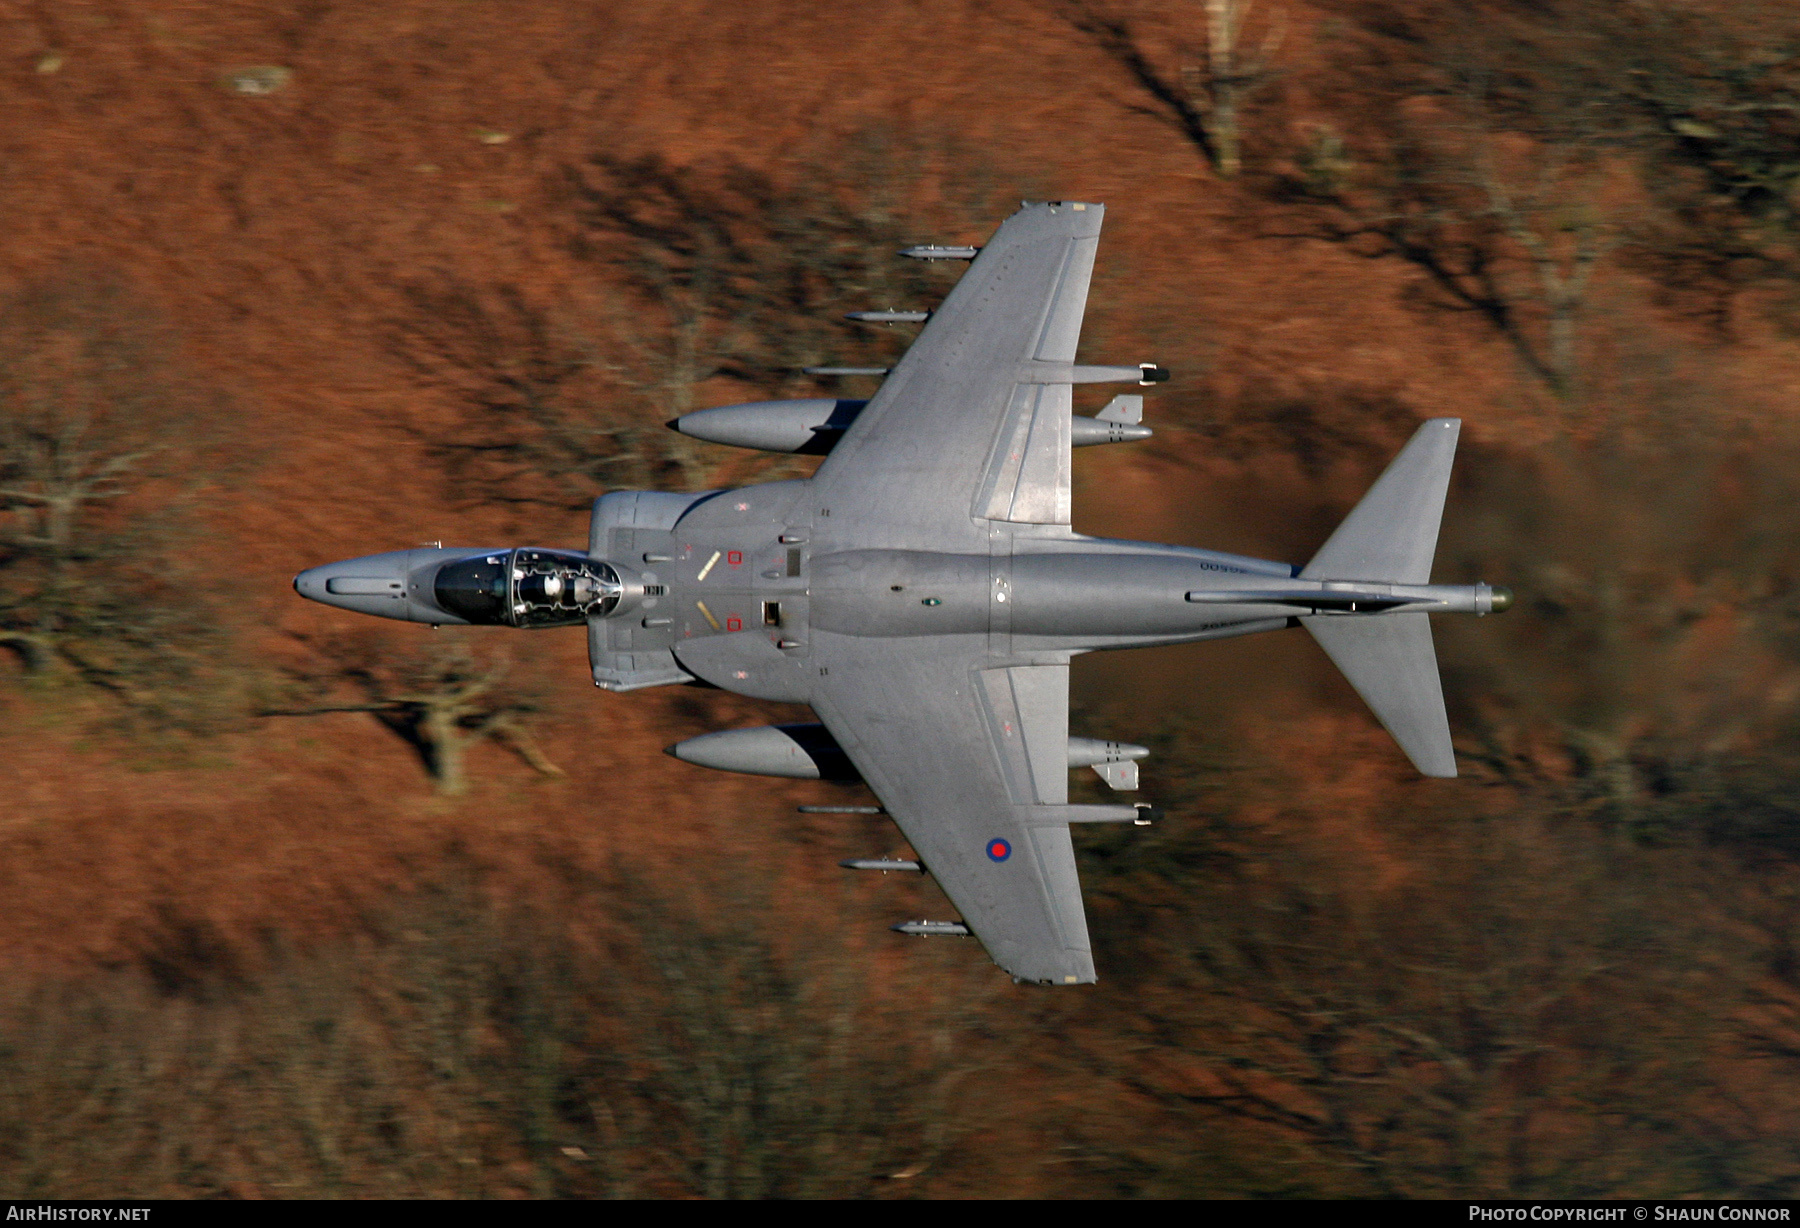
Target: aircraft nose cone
(375, 585)
(1502, 598)
(311, 583)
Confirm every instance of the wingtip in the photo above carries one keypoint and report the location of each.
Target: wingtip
(1433, 762)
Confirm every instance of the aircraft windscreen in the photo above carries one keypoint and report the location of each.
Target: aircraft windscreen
(475, 589)
(528, 588)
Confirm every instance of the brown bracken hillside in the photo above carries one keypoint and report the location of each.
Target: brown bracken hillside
(290, 281)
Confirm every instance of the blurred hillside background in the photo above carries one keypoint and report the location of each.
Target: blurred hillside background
(297, 904)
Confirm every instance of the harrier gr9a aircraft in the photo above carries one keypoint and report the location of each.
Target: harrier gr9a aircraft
(924, 592)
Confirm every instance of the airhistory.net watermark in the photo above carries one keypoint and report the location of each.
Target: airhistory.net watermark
(46, 1213)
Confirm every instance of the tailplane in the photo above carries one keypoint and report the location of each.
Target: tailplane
(1390, 537)
(1392, 534)
(1390, 661)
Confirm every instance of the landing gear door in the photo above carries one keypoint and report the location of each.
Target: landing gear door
(626, 656)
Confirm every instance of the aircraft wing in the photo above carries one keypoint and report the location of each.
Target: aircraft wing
(972, 424)
(972, 762)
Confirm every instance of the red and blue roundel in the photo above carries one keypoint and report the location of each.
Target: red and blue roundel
(998, 850)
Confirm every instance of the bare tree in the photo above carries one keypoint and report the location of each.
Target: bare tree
(440, 700)
(101, 441)
(1205, 96)
(1564, 236)
(732, 276)
(1219, 89)
(713, 280)
(1715, 100)
(545, 426)
(1507, 1002)
(764, 1068)
(703, 301)
(1507, 224)
(1505, 133)
(580, 1039)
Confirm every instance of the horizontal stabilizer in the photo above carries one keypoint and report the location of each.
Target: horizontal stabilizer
(1392, 534)
(1390, 661)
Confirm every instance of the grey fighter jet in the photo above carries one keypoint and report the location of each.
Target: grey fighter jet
(924, 592)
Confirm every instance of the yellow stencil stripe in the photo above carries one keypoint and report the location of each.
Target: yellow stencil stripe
(704, 570)
(704, 610)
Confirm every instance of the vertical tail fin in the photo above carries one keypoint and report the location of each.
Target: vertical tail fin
(1391, 537)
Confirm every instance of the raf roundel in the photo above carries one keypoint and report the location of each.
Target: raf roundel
(998, 850)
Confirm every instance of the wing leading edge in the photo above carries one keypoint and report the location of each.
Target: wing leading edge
(968, 750)
(972, 763)
(974, 421)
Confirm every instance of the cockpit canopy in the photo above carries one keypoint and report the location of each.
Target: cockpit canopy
(528, 588)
